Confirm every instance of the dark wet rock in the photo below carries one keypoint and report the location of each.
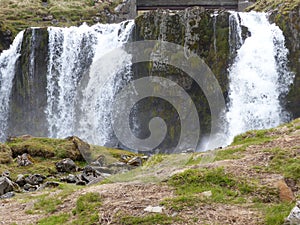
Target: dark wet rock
(81, 182)
(8, 195)
(70, 179)
(66, 166)
(24, 160)
(135, 161)
(21, 180)
(103, 169)
(29, 187)
(89, 174)
(48, 18)
(50, 184)
(35, 179)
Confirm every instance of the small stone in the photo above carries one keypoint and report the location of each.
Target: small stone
(8, 195)
(21, 180)
(294, 217)
(206, 194)
(70, 179)
(24, 160)
(29, 187)
(48, 18)
(135, 161)
(35, 179)
(50, 184)
(66, 165)
(81, 182)
(155, 209)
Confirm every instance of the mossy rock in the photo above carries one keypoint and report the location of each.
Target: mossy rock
(45, 147)
(5, 154)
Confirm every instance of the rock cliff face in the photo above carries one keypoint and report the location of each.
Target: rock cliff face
(29, 99)
(205, 34)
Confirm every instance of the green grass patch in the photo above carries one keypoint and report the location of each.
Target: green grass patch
(46, 204)
(230, 153)
(54, 220)
(148, 220)
(224, 187)
(286, 162)
(86, 209)
(253, 137)
(274, 214)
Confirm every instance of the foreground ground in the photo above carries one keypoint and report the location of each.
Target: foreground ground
(256, 180)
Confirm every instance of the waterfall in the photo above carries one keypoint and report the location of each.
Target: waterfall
(74, 87)
(259, 76)
(8, 59)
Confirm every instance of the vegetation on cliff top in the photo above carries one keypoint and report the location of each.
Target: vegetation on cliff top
(17, 15)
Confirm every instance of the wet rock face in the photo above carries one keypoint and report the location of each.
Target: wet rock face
(289, 24)
(202, 33)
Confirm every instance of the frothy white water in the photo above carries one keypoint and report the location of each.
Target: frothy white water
(74, 86)
(259, 77)
(8, 59)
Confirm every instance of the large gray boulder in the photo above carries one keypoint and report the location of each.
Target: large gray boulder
(294, 217)
(66, 166)
(6, 185)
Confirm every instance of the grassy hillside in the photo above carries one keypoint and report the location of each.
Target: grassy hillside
(253, 181)
(16, 15)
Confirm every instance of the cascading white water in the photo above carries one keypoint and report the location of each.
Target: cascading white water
(74, 85)
(8, 59)
(259, 76)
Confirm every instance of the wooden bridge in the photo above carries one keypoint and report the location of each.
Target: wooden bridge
(182, 4)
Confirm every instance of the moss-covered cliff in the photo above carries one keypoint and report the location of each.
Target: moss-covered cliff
(205, 34)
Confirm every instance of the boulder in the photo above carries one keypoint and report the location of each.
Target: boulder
(21, 180)
(70, 179)
(5, 154)
(35, 179)
(50, 184)
(135, 161)
(89, 174)
(6, 185)
(24, 160)
(66, 166)
(294, 217)
(81, 150)
(29, 187)
(8, 195)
